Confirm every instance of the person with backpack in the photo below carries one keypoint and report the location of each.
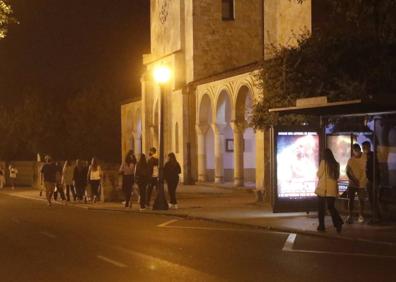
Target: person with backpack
(127, 170)
(327, 190)
(171, 175)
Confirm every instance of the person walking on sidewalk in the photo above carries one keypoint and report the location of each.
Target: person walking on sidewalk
(127, 170)
(59, 189)
(2, 177)
(67, 180)
(13, 175)
(142, 175)
(48, 178)
(80, 179)
(171, 175)
(356, 172)
(153, 163)
(94, 179)
(327, 190)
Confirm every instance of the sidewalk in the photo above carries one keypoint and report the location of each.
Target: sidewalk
(239, 207)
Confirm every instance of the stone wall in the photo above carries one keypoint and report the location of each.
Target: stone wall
(223, 45)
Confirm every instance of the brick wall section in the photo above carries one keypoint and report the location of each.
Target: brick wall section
(222, 45)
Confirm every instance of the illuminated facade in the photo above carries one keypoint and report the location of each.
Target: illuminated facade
(213, 48)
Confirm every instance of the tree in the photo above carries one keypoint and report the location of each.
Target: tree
(5, 17)
(92, 123)
(354, 58)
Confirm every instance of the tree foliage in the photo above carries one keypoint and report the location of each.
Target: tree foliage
(351, 55)
(87, 125)
(6, 17)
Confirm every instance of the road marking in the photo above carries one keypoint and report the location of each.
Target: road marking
(165, 224)
(113, 262)
(289, 243)
(156, 263)
(49, 235)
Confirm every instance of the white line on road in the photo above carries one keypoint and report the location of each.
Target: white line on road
(289, 242)
(165, 224)
(113, 262)
(49, 235)
(288, 247)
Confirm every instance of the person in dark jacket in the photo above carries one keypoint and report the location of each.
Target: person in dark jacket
(142, 177)
(80, 179)
(153, 163)
(127, 170)
(171, 175)
(369, 155)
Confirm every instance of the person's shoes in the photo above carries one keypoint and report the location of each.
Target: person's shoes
(170, 205)
(349, 219)
(94, 199)
(361, 219)
(175, 206)
(41, 193)
(321, 229)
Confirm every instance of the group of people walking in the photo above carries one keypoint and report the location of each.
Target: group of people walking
(145, 173)
(71, 180)
(360, 172)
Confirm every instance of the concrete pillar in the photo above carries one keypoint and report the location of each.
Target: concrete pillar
(218, 151)
(238, 129)
(201, 132)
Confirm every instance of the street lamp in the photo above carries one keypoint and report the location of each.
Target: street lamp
(162, 76)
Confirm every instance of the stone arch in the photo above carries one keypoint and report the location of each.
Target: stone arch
(242, 110)
(224, 160)
(205, 110)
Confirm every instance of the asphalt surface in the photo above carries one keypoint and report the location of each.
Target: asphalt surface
(65, 243)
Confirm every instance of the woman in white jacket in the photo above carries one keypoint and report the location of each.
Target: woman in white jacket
(327, 190)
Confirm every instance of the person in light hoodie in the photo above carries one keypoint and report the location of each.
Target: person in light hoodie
(327, 190)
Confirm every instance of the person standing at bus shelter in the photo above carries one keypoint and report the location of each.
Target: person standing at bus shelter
(356, 172)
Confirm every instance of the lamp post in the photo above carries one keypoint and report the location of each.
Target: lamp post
(162, 76)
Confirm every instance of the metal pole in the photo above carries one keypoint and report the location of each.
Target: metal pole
(374, 184)
(160, 201)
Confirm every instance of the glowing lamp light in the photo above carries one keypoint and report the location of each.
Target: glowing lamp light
(162, 74)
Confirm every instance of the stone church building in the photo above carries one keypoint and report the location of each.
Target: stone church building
(213, 48)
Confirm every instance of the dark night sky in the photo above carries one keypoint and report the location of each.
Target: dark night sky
(61, 46)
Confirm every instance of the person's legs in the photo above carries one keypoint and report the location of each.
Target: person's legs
(153, 183)
(49, 190)
(127, 195)
(172, 192)
(95, 187)
(142, 193)
(361, 197)
(61, 191)
(335, 216)
(321, 213)
(351, 199)
(68, 193)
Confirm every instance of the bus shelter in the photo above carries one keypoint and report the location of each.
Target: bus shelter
(295, 150)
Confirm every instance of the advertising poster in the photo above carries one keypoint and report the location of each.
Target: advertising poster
(297, 164)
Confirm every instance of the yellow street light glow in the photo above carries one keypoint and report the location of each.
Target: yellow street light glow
(162, 74)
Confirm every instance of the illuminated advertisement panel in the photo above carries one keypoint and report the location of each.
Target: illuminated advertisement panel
(297, 161)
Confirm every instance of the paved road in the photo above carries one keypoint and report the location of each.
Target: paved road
(65, 243)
